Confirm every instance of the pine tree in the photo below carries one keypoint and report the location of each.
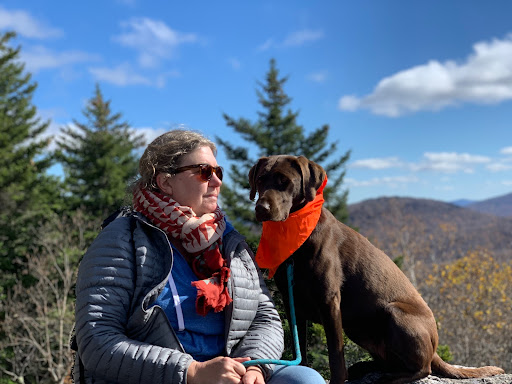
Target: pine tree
(98, 158)
(277, 132)
(27, 194)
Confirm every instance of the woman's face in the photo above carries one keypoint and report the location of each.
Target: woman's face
(188, 189)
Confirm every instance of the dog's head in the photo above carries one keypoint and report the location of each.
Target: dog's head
(284, 184)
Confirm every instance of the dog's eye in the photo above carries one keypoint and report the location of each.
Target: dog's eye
(282, 181)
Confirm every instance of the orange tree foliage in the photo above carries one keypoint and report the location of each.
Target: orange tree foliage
(472, 301)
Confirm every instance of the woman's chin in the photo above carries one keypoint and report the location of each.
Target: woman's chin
(207, 207)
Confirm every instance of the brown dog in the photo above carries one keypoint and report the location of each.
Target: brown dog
(339, 275)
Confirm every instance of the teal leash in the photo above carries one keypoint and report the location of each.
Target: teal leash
(298, 357)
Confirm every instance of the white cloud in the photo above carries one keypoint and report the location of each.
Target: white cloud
(441, 162)
(38, 57)
(269, 43)
(391, 181)
(153, 39)
(124, 75)
(485, 77)
(377, 163)
(503, 164)
(349, 103)
(450, 162)
(149, 133)
(318, 77)
(302, 37)
(26, 25)
(446, 188)
(499, 167)
(294, 39)
(51, 132)
(55, 132)
(121, 75)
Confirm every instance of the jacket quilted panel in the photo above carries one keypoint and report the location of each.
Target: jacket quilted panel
(121, 339)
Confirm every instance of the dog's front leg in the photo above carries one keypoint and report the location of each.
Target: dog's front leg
(334, 332)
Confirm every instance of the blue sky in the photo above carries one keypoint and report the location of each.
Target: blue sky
(419, 91)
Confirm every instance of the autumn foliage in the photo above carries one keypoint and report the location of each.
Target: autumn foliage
(472, 301)
(460, 261)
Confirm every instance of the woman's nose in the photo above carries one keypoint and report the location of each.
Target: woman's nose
(215, 181)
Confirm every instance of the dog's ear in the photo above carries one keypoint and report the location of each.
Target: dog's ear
(313, 175)
(253, 174)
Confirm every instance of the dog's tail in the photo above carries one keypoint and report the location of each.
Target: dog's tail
(446, 370)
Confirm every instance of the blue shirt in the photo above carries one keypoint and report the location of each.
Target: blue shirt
(203, 336)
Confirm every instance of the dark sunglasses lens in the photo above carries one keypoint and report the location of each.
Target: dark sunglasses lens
(206, 172)
(218, 172)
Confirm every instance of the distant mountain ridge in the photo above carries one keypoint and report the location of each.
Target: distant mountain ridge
(432, 231)
(463, 202)
(499, 206)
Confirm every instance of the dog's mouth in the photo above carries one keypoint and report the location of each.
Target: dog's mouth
(265, 218)
(264, 212)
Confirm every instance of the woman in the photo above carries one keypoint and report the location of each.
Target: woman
(170, 293)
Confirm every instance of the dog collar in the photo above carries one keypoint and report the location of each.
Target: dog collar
(280, 239)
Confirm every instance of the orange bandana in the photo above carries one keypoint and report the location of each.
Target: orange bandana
(280, 239)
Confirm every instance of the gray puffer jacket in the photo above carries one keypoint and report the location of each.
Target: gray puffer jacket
(121, 338)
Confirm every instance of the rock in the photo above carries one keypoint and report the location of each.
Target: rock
(499, 379)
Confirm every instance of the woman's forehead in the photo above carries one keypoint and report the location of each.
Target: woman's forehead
(202, 153)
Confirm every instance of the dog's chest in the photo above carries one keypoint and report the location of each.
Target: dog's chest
(306, 294)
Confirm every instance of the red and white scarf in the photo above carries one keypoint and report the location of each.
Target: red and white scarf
(199, 236)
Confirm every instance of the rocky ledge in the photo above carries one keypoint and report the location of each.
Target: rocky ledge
(499, 379)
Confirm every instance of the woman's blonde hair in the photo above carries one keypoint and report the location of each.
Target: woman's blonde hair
(163, 154)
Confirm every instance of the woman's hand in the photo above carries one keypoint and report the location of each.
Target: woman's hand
(253, 375)
(220, 370)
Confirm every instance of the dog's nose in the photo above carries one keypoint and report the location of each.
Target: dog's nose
(262, 207)
(262, 210)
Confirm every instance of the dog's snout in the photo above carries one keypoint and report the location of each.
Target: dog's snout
(262, 209)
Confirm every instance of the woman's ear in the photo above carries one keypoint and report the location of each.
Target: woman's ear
(163, 180)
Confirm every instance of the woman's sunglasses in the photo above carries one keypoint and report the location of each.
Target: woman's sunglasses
(205, 171)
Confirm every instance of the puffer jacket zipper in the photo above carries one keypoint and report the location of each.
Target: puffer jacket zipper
(159, 308)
